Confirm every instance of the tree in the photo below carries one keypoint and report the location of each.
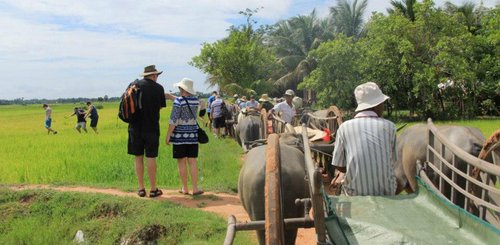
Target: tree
(404, 7)
(337, 75)
(291, 40)
(467, 15)
(347, 18)
(238, 63)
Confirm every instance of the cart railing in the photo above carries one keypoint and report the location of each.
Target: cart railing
(315, 189)
(488, 198)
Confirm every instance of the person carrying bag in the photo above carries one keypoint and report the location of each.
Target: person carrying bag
(185, 134)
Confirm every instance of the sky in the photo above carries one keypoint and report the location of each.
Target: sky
(71, 48)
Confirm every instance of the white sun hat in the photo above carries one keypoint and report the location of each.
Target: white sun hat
(187, 85)
(368, 95)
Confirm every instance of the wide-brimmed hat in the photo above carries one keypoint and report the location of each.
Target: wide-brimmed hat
(243, 98)
(368, 95)
(186, 84)
(150, 70)
(235, 95)
(289, 92)
(264, 97)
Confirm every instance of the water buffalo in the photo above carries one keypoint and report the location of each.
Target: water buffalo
(251, 183)
(248, 129)
(411, 146)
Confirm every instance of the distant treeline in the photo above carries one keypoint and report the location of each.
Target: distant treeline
(105, 98)
(21, 101)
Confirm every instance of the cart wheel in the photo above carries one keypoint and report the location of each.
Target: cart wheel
(274, 228)
(263, 119)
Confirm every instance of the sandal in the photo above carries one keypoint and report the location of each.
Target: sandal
(198, 193)
(141, 193)
(155, 193)
(182, 192)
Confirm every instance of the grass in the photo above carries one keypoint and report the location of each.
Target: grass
(70, 158)
(30, 156)
(50, 217)
(487, 126)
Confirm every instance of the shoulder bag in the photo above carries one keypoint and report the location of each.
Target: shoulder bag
(202, 135)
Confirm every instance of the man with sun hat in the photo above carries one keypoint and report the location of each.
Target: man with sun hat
(365, 147)
(144, 135)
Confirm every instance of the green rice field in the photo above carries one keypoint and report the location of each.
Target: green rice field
(29, 155)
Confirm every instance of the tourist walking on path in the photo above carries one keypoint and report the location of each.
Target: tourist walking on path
(144, 134)
(93, 115)
(365, 147)
(81, 123)
(217, 115)
(286, 107)
(183, 134)
(209, 110)
(48, 119)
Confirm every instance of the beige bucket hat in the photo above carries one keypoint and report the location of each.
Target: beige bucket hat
(186, 84)
(312, 134)
(150, 70)
(264, 97)
(368, 95)
(289, 92)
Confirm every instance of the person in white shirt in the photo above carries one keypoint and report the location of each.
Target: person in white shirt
(286, 107)
(48, 119)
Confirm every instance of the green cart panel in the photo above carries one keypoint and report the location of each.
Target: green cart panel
(419, 218)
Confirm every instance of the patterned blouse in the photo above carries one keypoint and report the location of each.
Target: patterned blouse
(186, 129)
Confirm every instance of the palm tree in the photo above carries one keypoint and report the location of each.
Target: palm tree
(405, 7)
(347, 18)
(291, 41)
(470, 17)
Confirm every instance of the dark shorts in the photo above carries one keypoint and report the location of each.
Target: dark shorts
(186, 150)
(208, 113)
(138, 143)
(202, 113)
(219, 122)
(93, 122)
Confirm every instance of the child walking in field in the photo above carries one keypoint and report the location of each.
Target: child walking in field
(48, 119)
(80, 120)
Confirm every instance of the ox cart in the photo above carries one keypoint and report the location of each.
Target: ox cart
(424, 217)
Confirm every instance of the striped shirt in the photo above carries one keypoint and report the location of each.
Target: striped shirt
(186, 129)
(366, 146)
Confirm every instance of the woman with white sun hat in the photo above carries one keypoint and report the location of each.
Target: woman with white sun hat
(182, 134)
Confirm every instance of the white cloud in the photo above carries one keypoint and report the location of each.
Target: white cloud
(54, 48)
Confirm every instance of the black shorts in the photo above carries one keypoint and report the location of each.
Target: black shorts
(93, 122)
(186, 150)
(219, 122)
(202, 113)
(138, 143)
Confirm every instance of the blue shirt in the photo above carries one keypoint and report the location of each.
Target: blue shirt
(186, 129)
(209, 102)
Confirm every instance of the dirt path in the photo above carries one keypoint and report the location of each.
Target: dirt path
(222, 204)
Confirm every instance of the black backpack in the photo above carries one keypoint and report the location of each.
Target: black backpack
(130, 103)
(225, 112)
